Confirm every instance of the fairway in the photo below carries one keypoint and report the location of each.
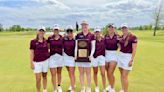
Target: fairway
(16, 75)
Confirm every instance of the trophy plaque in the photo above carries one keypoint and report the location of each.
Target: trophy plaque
(82, 51)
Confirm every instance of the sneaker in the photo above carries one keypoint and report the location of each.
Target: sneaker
(70, 88)
(44, 90)
(59, 89)
(72, 91)
(121, 90)
(104, 90)
(83, 89)
(96, 89)
(112, 90)
(108, 88)
(88, 89)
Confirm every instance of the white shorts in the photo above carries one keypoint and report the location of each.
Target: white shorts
(98, 61)
(68, 60)
(56, 60)
(111, 55)
(123, 60)
(83, 64)
(40, 67)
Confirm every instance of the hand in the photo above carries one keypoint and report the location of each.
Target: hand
(91, 58)
(75, 57)
(32, 66)
(131, 63)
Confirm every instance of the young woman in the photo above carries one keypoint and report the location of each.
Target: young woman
(111, 43)
(69, 51)
(99, 59)
(85, 67)
(128, 45)
(56, 59)
(39, 59)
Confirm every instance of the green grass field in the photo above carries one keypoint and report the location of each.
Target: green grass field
(16, 75)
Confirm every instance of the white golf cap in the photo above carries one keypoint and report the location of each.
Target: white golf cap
(56, 26)
(84, 22)
(41, 28)
(124, 25)
(69, 27)
(97, 29)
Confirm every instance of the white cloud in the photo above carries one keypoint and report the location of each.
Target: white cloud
(66, 12)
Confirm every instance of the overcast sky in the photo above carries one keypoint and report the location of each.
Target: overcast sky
(34, 13)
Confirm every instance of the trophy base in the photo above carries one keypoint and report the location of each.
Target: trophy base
(83, 60)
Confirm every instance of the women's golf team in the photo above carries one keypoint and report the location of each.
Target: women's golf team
(58, 51)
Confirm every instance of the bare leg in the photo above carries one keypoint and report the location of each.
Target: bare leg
(44, 75)
(95, 71)
(102, 69)
(112, 66)
(38, 81)
(53, 78)
(72, 77)
(107, 68)
(59, 70)
(88, 74)
(124, 79)
(81, 71)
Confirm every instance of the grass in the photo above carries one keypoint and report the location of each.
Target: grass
(16, 75)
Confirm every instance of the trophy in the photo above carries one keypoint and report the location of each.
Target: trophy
(82, 50)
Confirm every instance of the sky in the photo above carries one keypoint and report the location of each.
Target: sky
(34, 13)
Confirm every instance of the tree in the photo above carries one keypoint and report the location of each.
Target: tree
(1, 27)
(158, 16)
(15, 28)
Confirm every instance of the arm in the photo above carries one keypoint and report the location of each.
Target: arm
(93, 48)
(31, 58)
(75, 49)
(134, 47)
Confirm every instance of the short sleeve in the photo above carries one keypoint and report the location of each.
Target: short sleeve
(93, 37)
(48, 40)
(32, 44)
(134, 39)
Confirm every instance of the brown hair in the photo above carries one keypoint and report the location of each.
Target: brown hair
(127, 39)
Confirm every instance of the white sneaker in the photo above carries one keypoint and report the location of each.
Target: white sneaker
(72, 91)
(121, 90)
(55, 90)
(59, 89)
(108, 88)
(88, 89)
(83, 89)
(44, 90)
(70, 88)
(96, 89)
(112, 90)
(104, 90)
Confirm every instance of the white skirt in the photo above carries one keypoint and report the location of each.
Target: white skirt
(68, 60)
(40, 67)
(56, 60)
(123, 60)
(111, 55)
(83, 64)
(98, 61)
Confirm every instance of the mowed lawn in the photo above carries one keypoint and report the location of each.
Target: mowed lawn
(16, 75)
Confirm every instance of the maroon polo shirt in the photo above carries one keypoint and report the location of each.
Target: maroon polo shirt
(40, 50)
(56, 46)
(100, 48)
(89, 37)
(69, 46)
(111, 43)
(128, 48)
